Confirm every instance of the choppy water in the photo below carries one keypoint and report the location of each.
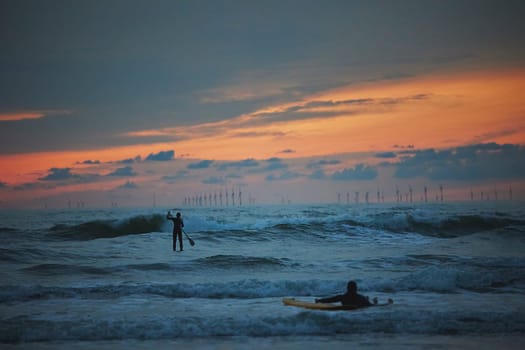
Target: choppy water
(455, 270)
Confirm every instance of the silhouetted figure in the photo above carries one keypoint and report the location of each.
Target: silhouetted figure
(178, 224)
(351, 297)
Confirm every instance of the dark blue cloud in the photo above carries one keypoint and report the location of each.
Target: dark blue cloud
(287, 175)
(59, 177)
(318, 174)
(130, 160)
(234, 176)
(89, 162)
(59, 174)
(125, 171)
(3, 184)
(203, 164)
(162, 156)
(180, 175)
(33, 186)
(359, 172)
(214, 180)
(322, 163)
(275, 164)
(385, 155)
(246, 163)
(403, 146)
(467, 163)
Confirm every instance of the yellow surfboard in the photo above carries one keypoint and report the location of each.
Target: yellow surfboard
(324, 306)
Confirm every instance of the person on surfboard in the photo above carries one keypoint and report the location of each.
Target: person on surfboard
(351, 297)
(178, 224)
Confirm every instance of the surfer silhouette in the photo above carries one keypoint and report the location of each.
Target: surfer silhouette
(351, 297)
(178, 224)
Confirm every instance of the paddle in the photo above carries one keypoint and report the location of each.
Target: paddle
(192, 243)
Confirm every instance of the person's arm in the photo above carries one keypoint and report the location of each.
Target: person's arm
(333, 299)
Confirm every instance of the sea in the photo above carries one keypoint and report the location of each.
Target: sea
(109, 279)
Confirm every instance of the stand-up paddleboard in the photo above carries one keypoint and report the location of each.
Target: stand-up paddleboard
(326, 307)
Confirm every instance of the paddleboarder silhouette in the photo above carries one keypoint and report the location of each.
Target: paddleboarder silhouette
(178, 224)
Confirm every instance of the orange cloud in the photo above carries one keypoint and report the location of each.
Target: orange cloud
(23, 115)
(20, 116)
(435, 111)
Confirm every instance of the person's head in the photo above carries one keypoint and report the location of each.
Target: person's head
(351, 287)
(178, 215)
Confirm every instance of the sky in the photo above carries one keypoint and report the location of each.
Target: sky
(160, 103)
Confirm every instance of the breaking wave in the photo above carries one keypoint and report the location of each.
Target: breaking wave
(109, 228)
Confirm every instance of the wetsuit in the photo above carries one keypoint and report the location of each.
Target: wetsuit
(348, 298)
(178, 224)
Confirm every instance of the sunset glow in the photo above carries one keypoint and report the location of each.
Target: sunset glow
(339, 111)
(433, 111)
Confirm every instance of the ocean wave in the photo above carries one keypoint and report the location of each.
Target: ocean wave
(243, 289)
(55, 269)
(147, 267)
(64, 269)
(9, 255)
(236, 235)
(109, 228)
(427, 223)
(509, 277)
(227, 261)
(461, 225)
(289, 322)
(7, 229)
(487, 276)
(30, 254)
